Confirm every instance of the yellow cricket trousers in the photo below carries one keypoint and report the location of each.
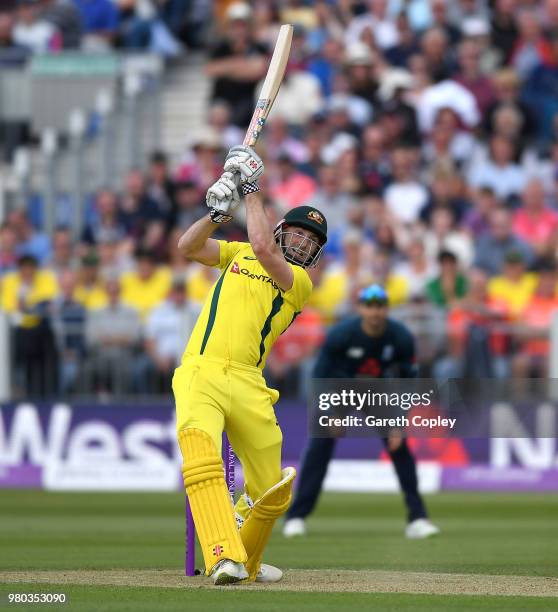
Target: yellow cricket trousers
(217, 395)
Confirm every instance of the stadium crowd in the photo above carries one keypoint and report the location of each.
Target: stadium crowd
(427, 133)
(50, 26)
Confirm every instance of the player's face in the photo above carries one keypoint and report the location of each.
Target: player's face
(301, 244)
(373, 314)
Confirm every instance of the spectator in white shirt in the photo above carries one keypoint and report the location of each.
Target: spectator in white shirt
(166, 332)
(498, 170)
(405, 197)
(32, 32)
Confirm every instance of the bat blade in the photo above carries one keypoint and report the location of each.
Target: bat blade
(271, 85)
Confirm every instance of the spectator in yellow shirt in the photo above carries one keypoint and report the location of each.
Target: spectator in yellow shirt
(27, 287)
(90, 291)
(515, 286)
(26, 294)
(148, 286)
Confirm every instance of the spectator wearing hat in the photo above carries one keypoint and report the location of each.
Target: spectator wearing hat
(299, 98)
(236, 64)
(492, 248)
(89, 289)
(361, 71)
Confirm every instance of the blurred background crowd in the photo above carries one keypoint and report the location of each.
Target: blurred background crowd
(50, 26)
(426, 131)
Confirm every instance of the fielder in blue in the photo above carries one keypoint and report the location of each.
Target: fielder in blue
(369, 345)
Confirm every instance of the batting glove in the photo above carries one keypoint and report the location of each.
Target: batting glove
(222, 198)
(246, 162)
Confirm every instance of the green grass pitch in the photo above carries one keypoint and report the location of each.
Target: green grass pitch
(484, 534)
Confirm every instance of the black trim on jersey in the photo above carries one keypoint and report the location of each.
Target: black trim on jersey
(275, 308)
(212, 310)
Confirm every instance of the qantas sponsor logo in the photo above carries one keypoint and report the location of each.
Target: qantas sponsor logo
(236, 269)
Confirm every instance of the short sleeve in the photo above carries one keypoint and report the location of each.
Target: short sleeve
(299, 293)
(227, 250)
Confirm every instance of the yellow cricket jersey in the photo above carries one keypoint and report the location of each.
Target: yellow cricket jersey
(91, 298)
(245, 310)
(146, 294)
(43, 288)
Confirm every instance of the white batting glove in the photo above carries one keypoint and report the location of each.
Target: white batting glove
(222, 198)
(246, 162)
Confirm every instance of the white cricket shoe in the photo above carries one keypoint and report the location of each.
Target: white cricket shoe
(269, 573)
(228, 572)
(420, 529)
(294, 527)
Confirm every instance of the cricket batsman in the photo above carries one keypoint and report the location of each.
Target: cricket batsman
(370, 345)
(219, 385)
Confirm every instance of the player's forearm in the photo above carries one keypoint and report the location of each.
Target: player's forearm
(260, 233)
(195, 237)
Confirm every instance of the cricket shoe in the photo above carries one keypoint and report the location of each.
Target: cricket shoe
(228, 572)
(269, 573)
(294, 527)
(420, 529)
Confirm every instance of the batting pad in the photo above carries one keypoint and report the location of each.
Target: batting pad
(209, 498)
(256, 529)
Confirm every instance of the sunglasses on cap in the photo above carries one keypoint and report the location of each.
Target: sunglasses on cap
(373, 294)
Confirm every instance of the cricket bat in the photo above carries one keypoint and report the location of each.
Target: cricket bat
(271, 85)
